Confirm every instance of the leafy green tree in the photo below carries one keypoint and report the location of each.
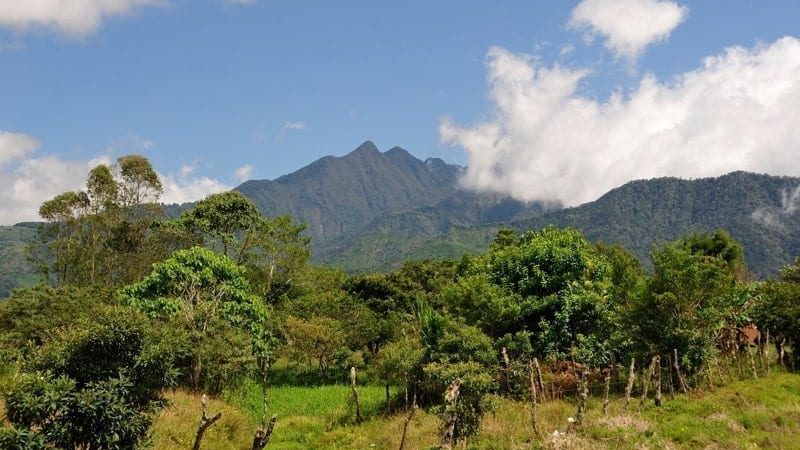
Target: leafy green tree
(690, 299)
(551, 285)
(97, 387)
(316, 342)
(271, 248)
(200, 287)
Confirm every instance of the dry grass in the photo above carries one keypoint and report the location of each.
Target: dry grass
(175, 427)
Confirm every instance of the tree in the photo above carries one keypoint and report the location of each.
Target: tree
(316, 341)
(100, 235)
(200, 287)
(690, 299)
(551, 285)
(97, 387)
(272, 248)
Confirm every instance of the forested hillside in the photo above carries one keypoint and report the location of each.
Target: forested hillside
(756, 209)
(15, 269)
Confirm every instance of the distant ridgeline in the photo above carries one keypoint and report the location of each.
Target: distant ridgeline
(370, 211)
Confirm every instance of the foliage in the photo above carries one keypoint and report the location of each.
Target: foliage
(202, 288)
(33, 316)
(102, 235)
(319, 341)
(97, 387)
(550, 284)
(690, 299)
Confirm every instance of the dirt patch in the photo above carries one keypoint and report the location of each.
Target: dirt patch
(625, 422)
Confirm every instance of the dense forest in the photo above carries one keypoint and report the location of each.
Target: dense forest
(221, 299)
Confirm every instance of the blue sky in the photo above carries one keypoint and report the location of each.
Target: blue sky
(206, 87)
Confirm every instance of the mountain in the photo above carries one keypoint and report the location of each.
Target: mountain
(335, 196)
(367, 191)
(760, 211)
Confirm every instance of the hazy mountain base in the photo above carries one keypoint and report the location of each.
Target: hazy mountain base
(762, 413)
(752, 207)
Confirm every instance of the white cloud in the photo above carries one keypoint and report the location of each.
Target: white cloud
(243, 173)
(16, 145)
(290, 126)
(28, 180)
(629, 26)
(738, 111)
(241, 2)
(35, 180)
(70, 17)
(184, 187)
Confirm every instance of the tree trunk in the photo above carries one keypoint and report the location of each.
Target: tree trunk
(607, 390)
(205, 422)
(677, 366)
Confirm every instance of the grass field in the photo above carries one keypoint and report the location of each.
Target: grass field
(757, 414)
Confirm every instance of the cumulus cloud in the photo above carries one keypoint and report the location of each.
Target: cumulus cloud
(243, 173)
(16, 145)
(28, 179)
(70, 17)
(738, 111)
(628, 26)
(184, 186)
(35, 180)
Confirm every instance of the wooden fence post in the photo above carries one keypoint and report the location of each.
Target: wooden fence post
(607, 380)
(539, 379)
(752, 362)
(507, 370)
(583, 395)
(450, 415)
(646, 381)
(766, 351)
(534, 400)
(631, 378)
(657, 372)
(356, 399)
(670, 381)
(409, 416)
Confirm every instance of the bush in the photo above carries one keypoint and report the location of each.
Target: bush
(97, 387)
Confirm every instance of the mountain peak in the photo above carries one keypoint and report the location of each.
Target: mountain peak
(368, 147)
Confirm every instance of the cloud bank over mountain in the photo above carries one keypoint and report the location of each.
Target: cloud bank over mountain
(545, 140)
